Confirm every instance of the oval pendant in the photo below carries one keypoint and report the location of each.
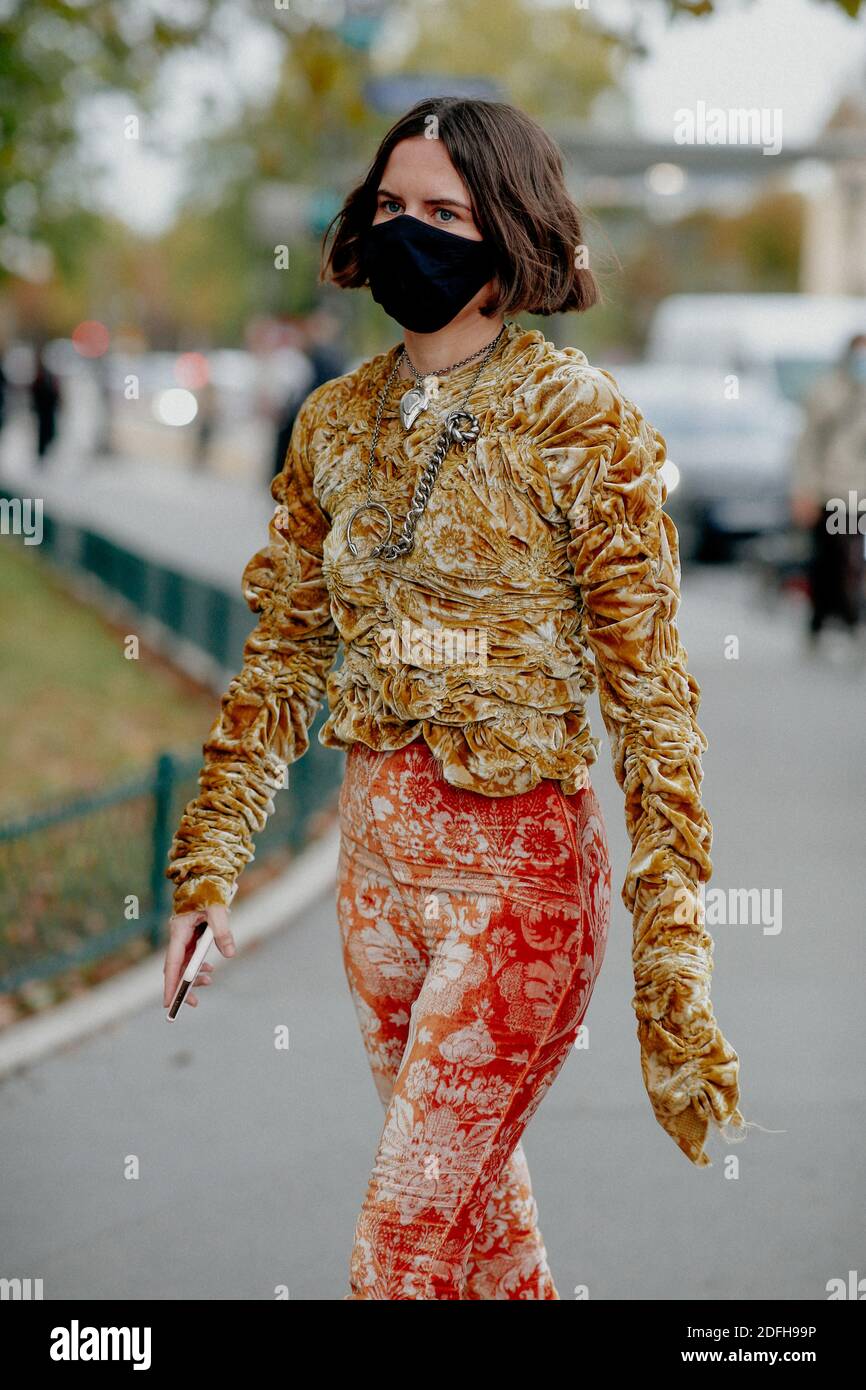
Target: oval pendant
(366, 507)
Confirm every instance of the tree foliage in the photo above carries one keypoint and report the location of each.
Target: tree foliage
(56, 55)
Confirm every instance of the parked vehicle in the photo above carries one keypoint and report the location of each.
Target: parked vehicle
(729, 443)
(796, 337)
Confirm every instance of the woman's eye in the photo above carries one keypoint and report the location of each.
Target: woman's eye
(390, 205)
(447, 214)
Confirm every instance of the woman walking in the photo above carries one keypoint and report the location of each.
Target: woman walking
(477, 516)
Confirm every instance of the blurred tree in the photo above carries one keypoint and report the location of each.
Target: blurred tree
(552, 62)
(756, 249)
(54, 56)
(315, 129)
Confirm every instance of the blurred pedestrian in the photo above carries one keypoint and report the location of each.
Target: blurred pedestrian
(102, 436)
(205, 422)
(319, 333)
(828, 484)
(45, 402)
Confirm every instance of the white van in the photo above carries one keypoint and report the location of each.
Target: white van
(796, 336)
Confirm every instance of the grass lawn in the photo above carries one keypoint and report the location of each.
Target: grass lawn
(77, 715)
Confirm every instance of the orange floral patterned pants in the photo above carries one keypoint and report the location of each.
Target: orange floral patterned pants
(473, 929)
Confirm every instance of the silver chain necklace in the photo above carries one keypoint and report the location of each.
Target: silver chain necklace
(460, 427)
(419, 396)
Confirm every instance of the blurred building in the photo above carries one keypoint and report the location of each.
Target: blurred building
(834, 240)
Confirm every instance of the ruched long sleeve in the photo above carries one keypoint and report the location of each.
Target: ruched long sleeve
(604, 464)
(265, 715)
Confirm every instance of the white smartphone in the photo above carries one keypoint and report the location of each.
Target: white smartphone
(187, 979)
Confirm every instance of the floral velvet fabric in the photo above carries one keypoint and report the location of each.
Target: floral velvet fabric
(546, 559)
(473, 931)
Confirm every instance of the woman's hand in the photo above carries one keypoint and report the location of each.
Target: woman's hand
(182, 943)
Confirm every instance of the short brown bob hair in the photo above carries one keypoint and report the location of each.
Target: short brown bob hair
(513, 171)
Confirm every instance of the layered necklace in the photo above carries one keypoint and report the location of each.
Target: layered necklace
(460, 426)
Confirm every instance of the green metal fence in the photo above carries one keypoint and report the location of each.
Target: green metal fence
(84, 878)
(79, 881)
(212, 620)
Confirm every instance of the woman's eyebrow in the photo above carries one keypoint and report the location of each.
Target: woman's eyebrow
(428, 202)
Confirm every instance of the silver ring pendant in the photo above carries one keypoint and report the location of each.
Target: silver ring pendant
(462, 426)
(366, 507)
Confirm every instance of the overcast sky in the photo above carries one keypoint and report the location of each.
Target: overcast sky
(796, 55)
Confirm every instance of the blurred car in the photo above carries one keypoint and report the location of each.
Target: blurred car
(216, 408)
(728, 459)
(234, 373)
(796, 337)
(791, 339)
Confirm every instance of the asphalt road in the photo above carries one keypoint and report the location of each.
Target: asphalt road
(201, 523)
(252, 1162)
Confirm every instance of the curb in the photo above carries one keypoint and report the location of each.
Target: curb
(272, 909)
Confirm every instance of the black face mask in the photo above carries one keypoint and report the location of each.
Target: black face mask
(422, 275)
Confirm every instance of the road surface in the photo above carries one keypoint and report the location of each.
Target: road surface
(252, 1162)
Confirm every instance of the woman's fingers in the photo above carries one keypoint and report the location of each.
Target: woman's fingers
(192, 998)
(219, 924)
(183, 935)
(181, 930)
(183, 938)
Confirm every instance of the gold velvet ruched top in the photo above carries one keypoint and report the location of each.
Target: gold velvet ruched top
(544, 568)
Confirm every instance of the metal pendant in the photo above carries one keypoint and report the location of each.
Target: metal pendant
(412, 402)
(418, 398)
(462, 426)
(364, 507)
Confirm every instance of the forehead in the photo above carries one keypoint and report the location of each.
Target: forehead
(423, 166)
